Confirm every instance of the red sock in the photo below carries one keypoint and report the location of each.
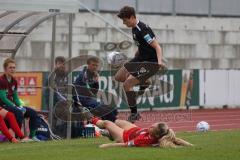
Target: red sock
(13, 124)
(94, 120)
(4, 129)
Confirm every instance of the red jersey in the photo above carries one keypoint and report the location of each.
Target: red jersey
(9, 87)
(139, 137)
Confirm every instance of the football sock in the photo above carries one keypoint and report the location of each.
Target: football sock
(133, 109)
(4, 129)
(13, 124)
(131, 98)
(94, 120)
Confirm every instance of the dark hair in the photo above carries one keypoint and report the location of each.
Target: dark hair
(93, 59)
(126, 12)
(60, 59)
(7, 61)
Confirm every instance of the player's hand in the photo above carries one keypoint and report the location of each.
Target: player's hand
(95, 76)
(103, 146)
(162, 65)
(22, 109)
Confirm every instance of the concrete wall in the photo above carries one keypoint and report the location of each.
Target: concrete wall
(172, 7)
(219, 88)
(169, 7)
(187, 42)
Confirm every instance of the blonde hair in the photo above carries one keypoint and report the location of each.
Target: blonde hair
(8, 61)
(170, 140)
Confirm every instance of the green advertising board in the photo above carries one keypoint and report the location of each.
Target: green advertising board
(152, 98)
(165, 91)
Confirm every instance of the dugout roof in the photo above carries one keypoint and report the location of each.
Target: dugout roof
(16, 25)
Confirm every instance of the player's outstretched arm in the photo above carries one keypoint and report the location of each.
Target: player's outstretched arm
(109, 145)
(158, 49)
(182, 142)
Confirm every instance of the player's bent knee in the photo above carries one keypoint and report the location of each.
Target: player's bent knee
(127, 86)
(117, 121)
(119, 78)
(121, 75)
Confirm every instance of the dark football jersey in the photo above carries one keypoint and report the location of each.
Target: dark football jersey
(143, 37)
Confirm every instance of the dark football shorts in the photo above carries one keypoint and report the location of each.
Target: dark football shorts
(142, 70)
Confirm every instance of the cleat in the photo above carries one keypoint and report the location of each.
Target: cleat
(26, 140)
(14, 140)
(35, 139)
(85, 114)
(134, 117)
(81, 113)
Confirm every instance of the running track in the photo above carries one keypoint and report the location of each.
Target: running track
(186, 120)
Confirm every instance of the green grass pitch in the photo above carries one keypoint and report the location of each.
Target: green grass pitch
(210, 146)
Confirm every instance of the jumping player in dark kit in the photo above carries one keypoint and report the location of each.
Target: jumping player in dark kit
(147, 60)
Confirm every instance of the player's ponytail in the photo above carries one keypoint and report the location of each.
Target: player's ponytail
(167, 140)
(170, 140)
